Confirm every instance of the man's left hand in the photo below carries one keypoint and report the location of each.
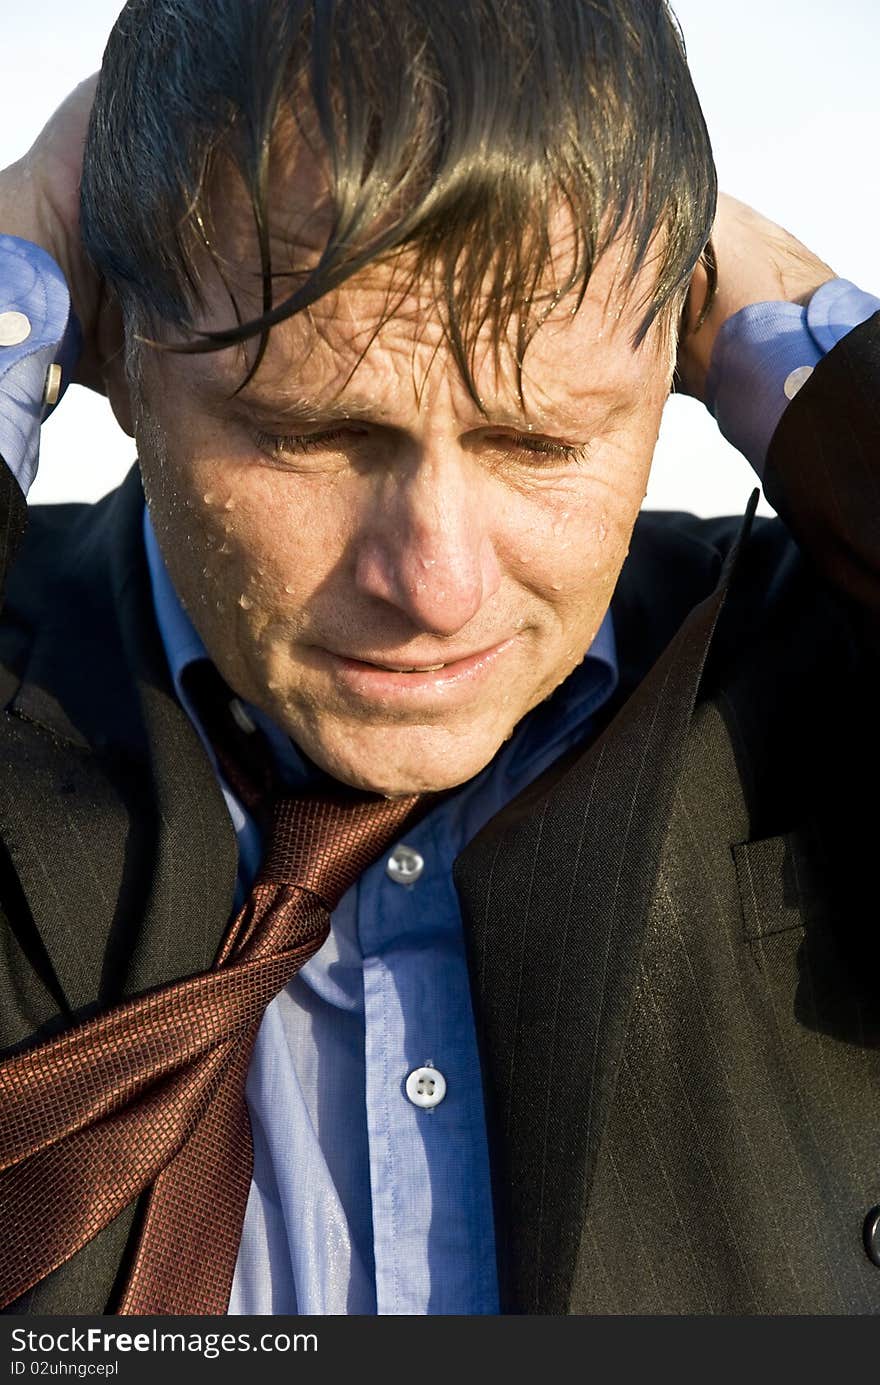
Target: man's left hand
(757, 262)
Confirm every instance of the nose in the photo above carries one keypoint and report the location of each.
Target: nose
(427, 547)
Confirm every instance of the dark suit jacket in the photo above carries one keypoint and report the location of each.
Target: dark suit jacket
(674, 933)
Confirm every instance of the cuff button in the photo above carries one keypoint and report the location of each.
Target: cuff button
(14, 328)
(53, 386)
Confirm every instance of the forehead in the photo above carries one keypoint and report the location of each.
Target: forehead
(391, 319)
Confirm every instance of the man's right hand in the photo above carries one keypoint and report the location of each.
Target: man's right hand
(39, 202)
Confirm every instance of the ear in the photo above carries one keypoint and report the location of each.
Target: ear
(118, 392)
(111, 349)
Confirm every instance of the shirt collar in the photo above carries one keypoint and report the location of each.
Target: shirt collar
(589, 685)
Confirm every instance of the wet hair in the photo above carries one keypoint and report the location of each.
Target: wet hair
(452, 129)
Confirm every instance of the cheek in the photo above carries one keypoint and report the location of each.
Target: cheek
(289, 536)
(288, 565)
(573, 540)
(259, 534)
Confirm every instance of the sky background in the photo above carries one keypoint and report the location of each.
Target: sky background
(790, 93)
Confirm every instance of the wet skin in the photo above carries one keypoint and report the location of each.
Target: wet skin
(353, 509)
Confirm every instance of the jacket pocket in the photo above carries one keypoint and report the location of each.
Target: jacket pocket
(777, 884)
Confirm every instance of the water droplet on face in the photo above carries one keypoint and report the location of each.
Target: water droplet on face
(602, 532)
(556, 586)
(209, 497)
(245, 602)
(225, 548)
(229, 504)
(289, 589)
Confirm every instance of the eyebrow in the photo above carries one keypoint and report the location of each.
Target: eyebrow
(302, 410)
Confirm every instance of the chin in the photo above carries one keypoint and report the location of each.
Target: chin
(397, 773)
(400, 784)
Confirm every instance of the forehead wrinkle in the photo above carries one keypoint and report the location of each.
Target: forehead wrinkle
(384, 310)
(282, 395)
(280, 390)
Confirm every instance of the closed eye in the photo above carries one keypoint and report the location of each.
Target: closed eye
(517, 446)
(299, 443)
(511, 447)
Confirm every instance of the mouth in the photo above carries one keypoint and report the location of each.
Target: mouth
(372, 680)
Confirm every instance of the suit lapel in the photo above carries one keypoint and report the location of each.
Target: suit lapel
(195, 862)
(121, 842)
(554, 893)
(107, 798)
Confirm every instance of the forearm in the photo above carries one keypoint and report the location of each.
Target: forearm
(35, 329)
(765, 353)
(39, 203)
(38, 348)
(788, 361)
(823, 474)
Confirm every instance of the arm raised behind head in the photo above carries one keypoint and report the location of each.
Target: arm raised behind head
(757, 262)
(39, 202)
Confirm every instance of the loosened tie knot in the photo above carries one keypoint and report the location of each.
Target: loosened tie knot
(324, 844)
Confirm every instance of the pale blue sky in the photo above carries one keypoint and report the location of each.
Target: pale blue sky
(790, 92)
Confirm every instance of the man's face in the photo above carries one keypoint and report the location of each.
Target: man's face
(352, 515)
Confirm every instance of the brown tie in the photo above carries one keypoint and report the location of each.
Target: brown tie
(150, 1094)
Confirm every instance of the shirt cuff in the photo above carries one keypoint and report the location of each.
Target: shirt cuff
(34, 290)
(765, 352)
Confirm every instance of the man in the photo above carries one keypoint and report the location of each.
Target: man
(596, 1030)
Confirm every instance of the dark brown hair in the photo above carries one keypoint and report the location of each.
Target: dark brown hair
(453, 128)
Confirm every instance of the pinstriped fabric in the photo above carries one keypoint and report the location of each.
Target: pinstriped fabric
(152, 1091)
(551, 1062)
(740, 1154)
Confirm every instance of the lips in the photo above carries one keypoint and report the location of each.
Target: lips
(372, 680)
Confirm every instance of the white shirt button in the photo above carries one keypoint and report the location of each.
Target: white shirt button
(796, 380)
(426, 1087)
(404, 866)
(242, 717)
(14, 328)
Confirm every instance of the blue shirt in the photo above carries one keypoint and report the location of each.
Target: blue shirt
(766, 351)
(31, 283)
(361, 1201)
